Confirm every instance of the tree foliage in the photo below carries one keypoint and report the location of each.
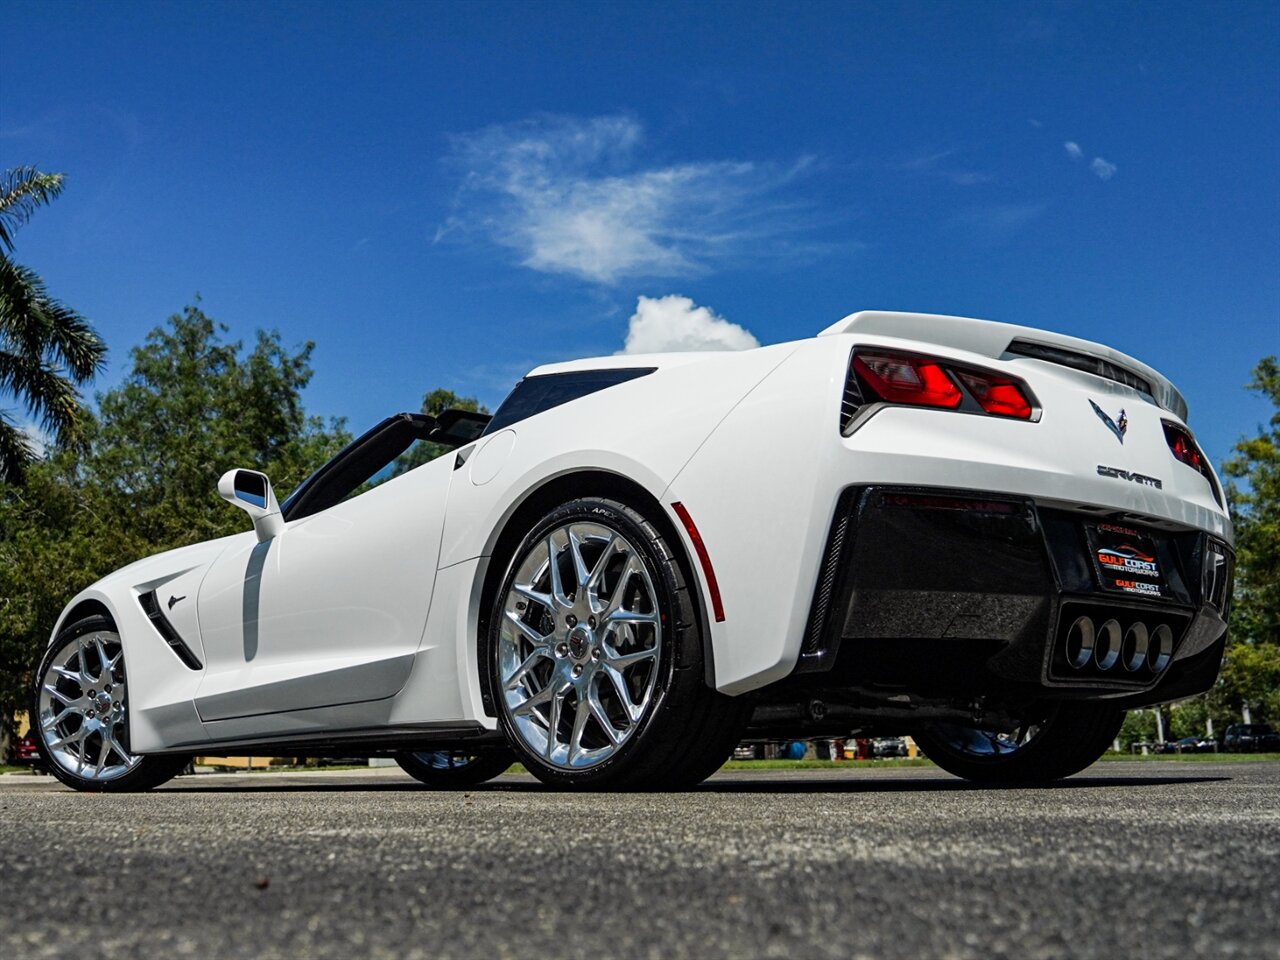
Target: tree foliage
(1255, 511)
(47, 350)
(192, 407)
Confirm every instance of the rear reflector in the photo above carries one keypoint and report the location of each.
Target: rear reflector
(717, 607)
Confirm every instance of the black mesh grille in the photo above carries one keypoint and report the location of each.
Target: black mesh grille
(819, 646)
(851, 400)
(151, 607)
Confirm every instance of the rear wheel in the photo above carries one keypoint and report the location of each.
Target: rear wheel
(1062, 740)
(81, 711)
(451, 769)
(595, 656)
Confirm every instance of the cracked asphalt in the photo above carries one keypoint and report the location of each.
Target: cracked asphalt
(1152, 859)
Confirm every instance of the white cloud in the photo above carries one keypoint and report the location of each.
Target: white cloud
(1073, 150)
(1103, 168)
(569, 196)
(675, 324)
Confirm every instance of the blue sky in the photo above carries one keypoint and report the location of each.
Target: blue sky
(448, 194)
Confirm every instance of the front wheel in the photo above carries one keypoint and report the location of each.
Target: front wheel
(1060, 740)
(81, 714)
(595, 656)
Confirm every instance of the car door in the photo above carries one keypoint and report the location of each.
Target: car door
(329, 612)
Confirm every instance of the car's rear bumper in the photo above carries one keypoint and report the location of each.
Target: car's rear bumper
(945, 593)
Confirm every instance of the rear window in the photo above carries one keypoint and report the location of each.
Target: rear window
(532, 395)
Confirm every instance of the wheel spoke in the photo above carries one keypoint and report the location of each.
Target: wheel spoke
(537, 700)
(53, 721)
(76, 736)
(580, 572)
(553, 571)
(631, 616)
(531, 661)
(602, 719)
(52, 691)
(622, 693)
(526, 590)
(597, 571)
(532, 635)
(65, 673)
(623, 660)
(580, 718)
(630, 569)
(553, 722)
(103, 668)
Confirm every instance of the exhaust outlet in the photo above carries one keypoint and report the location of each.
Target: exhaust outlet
(1133, 652)
(1080, 642)
(1160, 648)
(1106, 647)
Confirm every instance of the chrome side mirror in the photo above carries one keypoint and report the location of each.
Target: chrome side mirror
(251, 492)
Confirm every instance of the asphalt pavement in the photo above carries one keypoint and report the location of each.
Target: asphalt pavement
(1152, 860)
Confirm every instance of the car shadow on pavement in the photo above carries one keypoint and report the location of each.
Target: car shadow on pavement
(789, 783)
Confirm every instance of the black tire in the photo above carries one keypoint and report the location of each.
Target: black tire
(1069, 738)
(688, 730)
(149, 772)
(454, 769)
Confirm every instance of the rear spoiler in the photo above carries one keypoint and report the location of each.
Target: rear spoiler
(1007, 341)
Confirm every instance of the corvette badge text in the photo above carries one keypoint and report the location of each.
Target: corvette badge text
(1104, 471)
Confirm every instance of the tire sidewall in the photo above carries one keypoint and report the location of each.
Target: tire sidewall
(631, 524)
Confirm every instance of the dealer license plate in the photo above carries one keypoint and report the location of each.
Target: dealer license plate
(1126, 560)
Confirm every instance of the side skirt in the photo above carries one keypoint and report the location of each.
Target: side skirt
(364, 740)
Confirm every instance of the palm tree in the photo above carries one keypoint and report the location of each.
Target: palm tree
(47, 350)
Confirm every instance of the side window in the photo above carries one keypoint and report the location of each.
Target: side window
(533, 395)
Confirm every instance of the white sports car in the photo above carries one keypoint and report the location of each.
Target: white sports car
(992, 538)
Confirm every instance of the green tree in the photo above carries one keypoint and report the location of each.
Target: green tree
(47, 350)
(1255, 511)
(192, 407)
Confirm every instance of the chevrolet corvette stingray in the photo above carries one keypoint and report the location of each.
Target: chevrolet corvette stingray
(990, 537)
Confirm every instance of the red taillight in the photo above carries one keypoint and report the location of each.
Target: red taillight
(931, 382)
(998, 395)
(901, 378)
(1185, 450)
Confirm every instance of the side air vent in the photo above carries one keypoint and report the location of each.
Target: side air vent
(151, 607)
(1082, 361)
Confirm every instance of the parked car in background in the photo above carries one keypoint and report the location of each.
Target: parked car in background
(890, 747)
(1193, 745)
(1251, 738)
(26, 753)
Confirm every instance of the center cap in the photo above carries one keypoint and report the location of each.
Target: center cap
(579, 643)
(104, 702)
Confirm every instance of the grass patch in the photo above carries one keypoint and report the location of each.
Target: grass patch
(1196, 757)
(827, 764)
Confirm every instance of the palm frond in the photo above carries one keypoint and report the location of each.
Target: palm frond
(17, 452)
(35, 324)
(22, 190)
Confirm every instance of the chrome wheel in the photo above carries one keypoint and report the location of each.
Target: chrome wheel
(985, 744)
(579, 645)
(82, 708)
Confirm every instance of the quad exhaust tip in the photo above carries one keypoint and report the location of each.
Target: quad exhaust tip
(1107, 644)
